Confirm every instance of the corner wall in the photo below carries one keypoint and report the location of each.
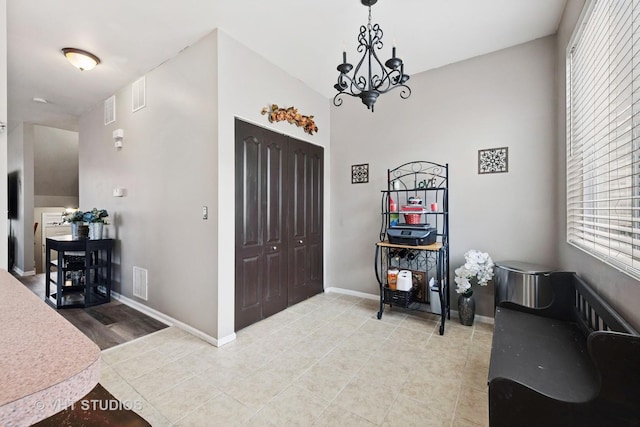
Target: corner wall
(247, 83)
(20, 160)
(177, 156)
(168, 166)
(619, 289)
(502, 99)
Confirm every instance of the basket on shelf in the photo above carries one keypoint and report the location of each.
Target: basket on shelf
(74, 262)
(412, 218)
(399, 298)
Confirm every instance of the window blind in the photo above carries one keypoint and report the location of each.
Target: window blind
(603, 143)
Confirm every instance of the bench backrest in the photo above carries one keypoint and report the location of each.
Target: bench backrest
(592, 313)
(575, 301)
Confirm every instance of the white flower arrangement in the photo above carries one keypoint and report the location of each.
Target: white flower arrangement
(476, 264)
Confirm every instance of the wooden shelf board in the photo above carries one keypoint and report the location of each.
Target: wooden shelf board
(433, 247)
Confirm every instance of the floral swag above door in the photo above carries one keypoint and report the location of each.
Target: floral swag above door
(291, 115)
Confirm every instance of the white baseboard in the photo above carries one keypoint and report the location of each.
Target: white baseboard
(481, 319)
(352, 293)
(168, 320)
(21, 273)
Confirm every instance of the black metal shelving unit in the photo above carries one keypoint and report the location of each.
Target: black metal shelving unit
(429, 182)
(81, 274)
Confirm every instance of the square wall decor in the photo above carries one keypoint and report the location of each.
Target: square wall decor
(360, 173)
(493, 160)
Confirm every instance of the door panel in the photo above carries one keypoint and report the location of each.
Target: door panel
(261, 261)
(279, 208)
(298, 196)
(315, 265)
(306, 201)
(315, 223)
(251, 195)
(275, 290)
(298, 238)
(248, 251)
(275, 247)
(275, 181)
(299, 268)
(248, 291)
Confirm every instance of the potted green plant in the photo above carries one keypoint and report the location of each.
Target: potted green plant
(96, 218)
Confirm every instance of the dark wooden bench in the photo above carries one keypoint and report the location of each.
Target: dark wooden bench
(575, 362)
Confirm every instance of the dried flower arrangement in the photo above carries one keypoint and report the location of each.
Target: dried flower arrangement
(291, 115)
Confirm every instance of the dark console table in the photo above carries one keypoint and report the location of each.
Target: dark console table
(81, 274)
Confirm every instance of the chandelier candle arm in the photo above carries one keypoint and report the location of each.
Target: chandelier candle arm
(369, 85)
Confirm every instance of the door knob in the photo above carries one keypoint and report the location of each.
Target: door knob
(274, 248)
(300, 241)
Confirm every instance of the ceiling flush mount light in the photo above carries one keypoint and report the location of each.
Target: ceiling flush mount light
(81, 59)
(369, 82)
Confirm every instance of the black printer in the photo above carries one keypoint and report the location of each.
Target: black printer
(412, 234)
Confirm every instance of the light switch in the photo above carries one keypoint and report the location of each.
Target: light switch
(205, 212)
(118, 192)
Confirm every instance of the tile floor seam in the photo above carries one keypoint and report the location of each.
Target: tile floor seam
(190, 412)
(390, 407)
(455, 407)
(135, 340)
(353, 375)
(156, 409)
(140, 392)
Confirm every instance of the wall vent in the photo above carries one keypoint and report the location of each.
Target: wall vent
(140, 282)
(110, 110)
(138, 94)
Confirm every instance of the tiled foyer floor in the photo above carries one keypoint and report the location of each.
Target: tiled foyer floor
(326, 362)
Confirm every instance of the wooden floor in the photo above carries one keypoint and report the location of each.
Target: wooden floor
(107, 324)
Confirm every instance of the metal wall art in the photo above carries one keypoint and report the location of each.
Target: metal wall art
(360, 173)
(493, 160)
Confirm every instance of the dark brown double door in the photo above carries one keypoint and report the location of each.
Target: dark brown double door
(278, 248)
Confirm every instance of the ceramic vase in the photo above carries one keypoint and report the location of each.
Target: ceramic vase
(466, 308)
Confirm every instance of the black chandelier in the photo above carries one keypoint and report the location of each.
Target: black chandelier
(376, 80)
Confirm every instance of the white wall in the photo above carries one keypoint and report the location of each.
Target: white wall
(55, 167)
(247, 83)
(168, 167)
(501, 99)
(20, 160)
(620, 290)
(47, 161)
